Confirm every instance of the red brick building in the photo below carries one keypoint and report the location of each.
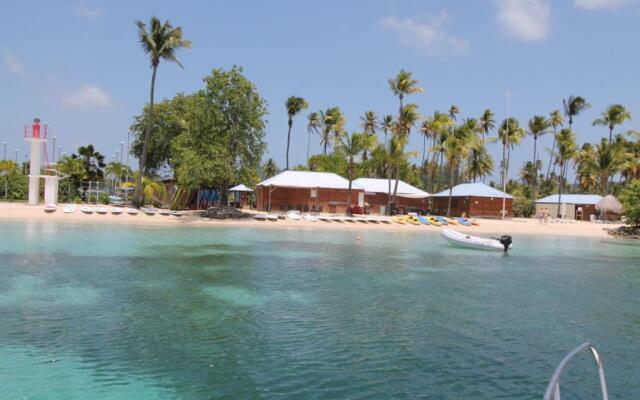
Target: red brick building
(376, 196)
(307, 191)
(473, 200)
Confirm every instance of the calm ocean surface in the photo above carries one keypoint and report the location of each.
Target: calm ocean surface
(117, 312)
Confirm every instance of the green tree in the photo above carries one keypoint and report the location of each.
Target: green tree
(480, 162)
(455, 146)
(387, 124)
(487, 123)
(510, 134)
(294, 105)
(313, 127)
(402, 85)
(76, 174)
(453, 112)
(556, 119)
(630, 199)
(606, 163)
(335, 162)
(613, 116)
(160, 42)
(407, 119)
(567, 150)
(167, 123)
(223, 141)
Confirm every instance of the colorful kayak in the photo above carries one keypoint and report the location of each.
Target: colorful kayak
(412, 220)
(442, 220)
(463, 221)
(434, 221)
(424, 220)
(452, 221)
(399, 220)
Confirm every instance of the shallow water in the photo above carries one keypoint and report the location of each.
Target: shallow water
(117, 312)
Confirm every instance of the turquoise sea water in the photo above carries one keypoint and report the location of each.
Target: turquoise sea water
(116, 312)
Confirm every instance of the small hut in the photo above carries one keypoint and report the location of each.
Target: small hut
(610, 208)
(239, 196)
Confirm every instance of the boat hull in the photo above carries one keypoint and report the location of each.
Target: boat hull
(473, 242)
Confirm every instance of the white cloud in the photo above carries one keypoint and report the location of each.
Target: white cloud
(601, 4)
(12, 63)
(427, 35)
(526, 20)
(84, 11)
(87, 97)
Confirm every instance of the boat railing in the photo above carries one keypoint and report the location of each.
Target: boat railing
(553, 389)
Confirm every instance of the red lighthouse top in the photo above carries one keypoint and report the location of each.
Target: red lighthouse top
(36, 132)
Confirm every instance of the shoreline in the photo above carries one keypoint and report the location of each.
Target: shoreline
(530, 226)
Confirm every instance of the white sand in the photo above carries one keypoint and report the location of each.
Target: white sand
(21, 211)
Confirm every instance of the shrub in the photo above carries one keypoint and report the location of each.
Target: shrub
(523, 207)
(630, 199)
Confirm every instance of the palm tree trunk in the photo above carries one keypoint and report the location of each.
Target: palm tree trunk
(610, 134)
(395, 189)
(558, 215)
(424, 147)
(553, 149)
(450, 189)
(389, 192)
(288, 142)
(535, 177)
(147, 136)
(308, 145)
(349, 191)
(504, 163)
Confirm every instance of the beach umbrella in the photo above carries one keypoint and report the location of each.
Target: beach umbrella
(609, 203)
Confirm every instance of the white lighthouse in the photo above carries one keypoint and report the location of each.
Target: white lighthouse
(38, 139)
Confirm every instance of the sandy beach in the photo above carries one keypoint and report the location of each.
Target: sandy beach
(21, 211)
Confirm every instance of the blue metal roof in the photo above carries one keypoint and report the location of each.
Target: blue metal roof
(473, 189)
(572, 199)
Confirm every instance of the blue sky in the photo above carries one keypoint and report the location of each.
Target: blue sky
(78, 65)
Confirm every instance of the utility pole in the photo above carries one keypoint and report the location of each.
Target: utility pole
(59, 148)
(53, 150)
(508, 95)
(16, 150)
(121, 153)
(4, 152)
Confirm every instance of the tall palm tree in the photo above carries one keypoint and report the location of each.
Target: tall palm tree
(487, 123)
(407, 119)
(510, 134)
(313, 126)
(455, 145)
(480, 162)
(351, 145)
(270, 168)
(586, 168)
(332, 122)
(369, 122)
(567, 150)
(160, 42)
(453, 111)
(294, 105)
(613, 116)
(573, 106)
(92, 160)
(608, 161)
(427, 129)
(387, 124)
(538, 126)
(556, 119)
(402, 85)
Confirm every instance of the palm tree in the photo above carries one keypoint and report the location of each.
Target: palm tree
(92, 160)
(427, 129)
(387, 123)
(586, 169)
(538, 126)
(153, 192)
(487, 123)
(369, 122)
(455, 145)
(403, 84)
(270, 168)
(510, 134)
(529, 172)
(480, 162)
(556, 119)
(332, 122)
(160, 42)
(407, 119)
(607, 162)
(573, 106)
(453, 111)
(613, 116)
(351, 145)
(294, 105)
(567, 150)
(313, 126)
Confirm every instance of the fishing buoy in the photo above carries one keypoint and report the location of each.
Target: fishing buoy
(359, 238)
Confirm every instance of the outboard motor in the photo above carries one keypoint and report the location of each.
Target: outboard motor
(506, 241)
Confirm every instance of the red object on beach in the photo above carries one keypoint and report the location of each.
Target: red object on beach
(359, 238)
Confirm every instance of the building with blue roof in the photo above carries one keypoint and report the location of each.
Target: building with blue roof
(473, 199)
(572, 206)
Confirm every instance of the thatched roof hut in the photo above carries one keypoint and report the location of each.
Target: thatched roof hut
(609, 204)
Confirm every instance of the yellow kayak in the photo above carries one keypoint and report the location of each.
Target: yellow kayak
(452, 221)
(412, 220)
(399, 220)
(434, 221)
